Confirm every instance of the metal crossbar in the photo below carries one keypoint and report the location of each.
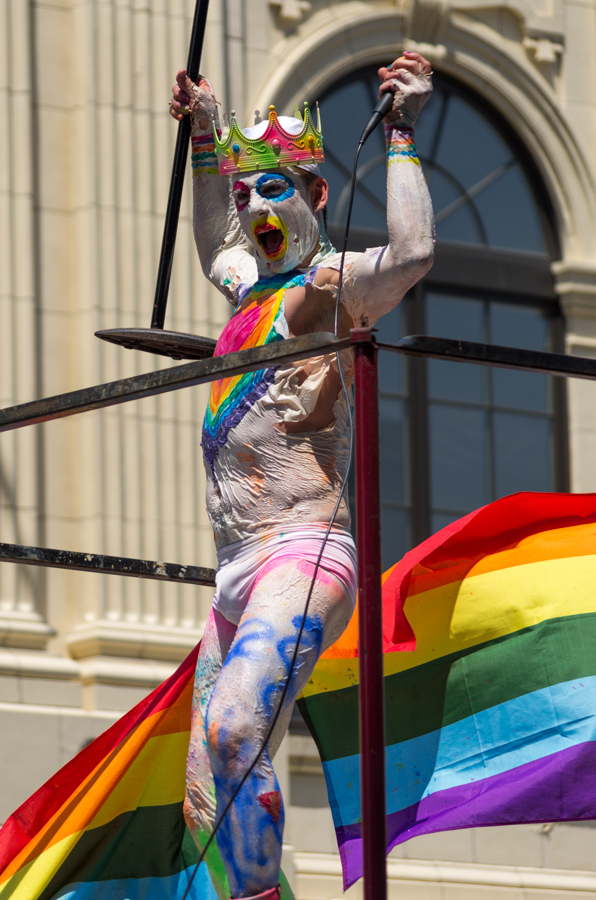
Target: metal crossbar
(106, 565)
(164, 380)
(204, 371)
(494, 355)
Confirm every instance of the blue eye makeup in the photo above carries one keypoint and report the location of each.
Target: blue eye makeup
(275, 187)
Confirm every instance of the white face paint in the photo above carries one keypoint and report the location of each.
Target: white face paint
(276, 215)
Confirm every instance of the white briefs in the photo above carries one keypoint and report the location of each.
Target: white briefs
(242, 564)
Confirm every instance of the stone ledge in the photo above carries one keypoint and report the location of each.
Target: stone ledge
(26, 631)
(26, 709)
(134, 673)
(438, 872)
(134, 641)
(38, 665)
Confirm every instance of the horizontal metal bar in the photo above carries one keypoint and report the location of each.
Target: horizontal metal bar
(164, 380)
(106, 565)
(493, 355)
(204, 371)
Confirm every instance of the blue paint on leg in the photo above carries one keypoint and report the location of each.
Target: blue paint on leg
(250, 836)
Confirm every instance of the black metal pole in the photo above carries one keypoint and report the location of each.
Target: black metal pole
(370, 615)
(178, 169)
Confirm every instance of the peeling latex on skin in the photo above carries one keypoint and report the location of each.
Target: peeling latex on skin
(296, 475)
(232, 281)
(294, 478)
(302, 388)
(299, 391)
(291, 478)
(295, 466)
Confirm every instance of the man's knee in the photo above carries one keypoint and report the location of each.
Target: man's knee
(231, 737)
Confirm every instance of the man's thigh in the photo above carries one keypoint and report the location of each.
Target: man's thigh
(215, 645)
(258, 663)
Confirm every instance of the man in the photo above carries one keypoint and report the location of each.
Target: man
(276, 442)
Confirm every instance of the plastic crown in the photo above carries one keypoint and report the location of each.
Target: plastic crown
(274, 149)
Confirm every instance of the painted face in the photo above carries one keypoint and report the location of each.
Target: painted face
(276, 215)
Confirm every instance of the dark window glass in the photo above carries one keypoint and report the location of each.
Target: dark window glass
(491, 430)
(456, 436)
(480, 191)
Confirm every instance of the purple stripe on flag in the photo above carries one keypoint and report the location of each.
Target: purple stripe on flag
(557, 788)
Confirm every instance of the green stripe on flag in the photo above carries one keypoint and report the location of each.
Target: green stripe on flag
(435, 694)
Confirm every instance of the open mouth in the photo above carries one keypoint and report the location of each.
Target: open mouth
(271, 238)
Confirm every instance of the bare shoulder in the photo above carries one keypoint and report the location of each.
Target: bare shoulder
(324, 277)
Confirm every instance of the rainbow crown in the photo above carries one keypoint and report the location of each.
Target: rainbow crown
(270, 146)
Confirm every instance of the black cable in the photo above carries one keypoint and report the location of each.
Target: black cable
(344, 484)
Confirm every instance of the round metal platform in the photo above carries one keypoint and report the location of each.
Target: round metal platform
(175, 344)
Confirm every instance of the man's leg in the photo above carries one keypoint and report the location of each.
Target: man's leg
(199, 803)
(243, 703)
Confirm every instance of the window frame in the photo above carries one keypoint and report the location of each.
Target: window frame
(485, 273)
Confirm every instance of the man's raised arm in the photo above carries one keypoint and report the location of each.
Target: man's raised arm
(220, 241)
(377, 280)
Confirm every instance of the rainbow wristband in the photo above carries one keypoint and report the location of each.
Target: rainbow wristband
(401, 146)
(204, 157)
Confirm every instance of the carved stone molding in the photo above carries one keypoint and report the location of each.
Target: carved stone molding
(534, 25)
(291, 11)
(38, 665)
(435, 53)
(425, 20)
(543, 49)
(576, 285)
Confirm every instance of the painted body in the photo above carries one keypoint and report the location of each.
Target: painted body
(275, 444)
(240, 676)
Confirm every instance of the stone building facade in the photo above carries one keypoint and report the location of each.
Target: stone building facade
(85, 158)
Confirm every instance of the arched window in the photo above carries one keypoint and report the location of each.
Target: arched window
(456, 436)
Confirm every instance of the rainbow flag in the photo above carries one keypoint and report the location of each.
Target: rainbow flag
(490, 684)
(491, 705)
(110, 822)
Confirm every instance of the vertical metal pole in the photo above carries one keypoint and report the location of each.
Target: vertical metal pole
(168, 243)
(370, 622)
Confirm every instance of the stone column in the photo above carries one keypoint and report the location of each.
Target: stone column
(22, 600)
(126, 481)
(576, 286)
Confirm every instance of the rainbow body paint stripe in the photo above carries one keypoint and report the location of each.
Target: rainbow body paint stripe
(203, 156)
(491, 703)
(110, 822)
(258, 320)
(401, 146)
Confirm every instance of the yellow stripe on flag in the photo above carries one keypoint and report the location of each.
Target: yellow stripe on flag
(34, 877)
(164, 757)
(86, 803)
(480, 608)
